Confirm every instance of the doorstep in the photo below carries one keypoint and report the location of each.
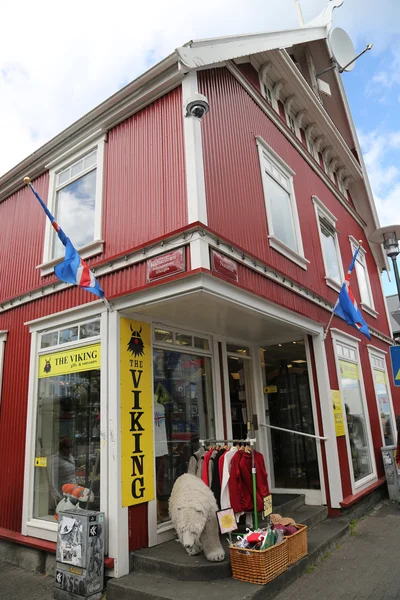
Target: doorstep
(150, 584)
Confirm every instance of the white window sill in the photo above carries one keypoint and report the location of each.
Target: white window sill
(42, 529)
(279, 246)
(92, 249)
(365, 482)
(332, 283)
(369, 310)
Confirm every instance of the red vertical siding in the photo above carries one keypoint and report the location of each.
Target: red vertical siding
(21, 240)
(235, 199)
(248, 71)
(144, 196)
(145, 176)
(137, 527)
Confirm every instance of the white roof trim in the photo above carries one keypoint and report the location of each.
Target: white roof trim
(208, 52)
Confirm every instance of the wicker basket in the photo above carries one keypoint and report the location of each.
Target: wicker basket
(259, 566)
(297, 544)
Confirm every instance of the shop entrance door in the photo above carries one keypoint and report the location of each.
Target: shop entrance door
(239, 384)
(289, 404)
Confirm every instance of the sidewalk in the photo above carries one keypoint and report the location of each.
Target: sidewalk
(365, 567)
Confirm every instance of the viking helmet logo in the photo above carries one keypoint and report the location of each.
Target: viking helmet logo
(135, 345)
(47, 366)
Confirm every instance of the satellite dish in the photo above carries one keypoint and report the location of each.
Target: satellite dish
(342, 49)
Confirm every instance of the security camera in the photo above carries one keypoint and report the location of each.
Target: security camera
(197, 106)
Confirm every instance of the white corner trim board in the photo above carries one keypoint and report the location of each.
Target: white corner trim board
(195, 185)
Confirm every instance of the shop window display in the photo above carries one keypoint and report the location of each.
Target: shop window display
(67, 446)
(68, 437)
(183, 414)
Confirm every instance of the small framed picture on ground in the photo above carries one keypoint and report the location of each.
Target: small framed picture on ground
(226, 520)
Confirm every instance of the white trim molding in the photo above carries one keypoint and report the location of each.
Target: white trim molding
(273, 168)
(3, 339)
(195, 184)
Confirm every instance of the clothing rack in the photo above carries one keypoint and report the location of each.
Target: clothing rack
(250, 441)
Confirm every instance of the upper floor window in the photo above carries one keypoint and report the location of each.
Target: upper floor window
(266, 90)
(282, 217)
(311, 147)
(75, 200)
(327, 168)
(364, 284)
(330, 245)
(342, 188)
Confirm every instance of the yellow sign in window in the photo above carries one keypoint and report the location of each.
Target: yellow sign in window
(86, 358)
(338, 413)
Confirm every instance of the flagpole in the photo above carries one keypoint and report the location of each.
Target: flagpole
(333, 309)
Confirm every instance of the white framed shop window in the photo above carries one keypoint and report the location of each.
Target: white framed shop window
(67, 415)
(280, 203)
(328, 236)
(3, 339)
(355, 410)
(364, 284)
(75, 199)
(387, 419)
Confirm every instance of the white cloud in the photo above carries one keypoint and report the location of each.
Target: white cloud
(61, 60)
(381, 156)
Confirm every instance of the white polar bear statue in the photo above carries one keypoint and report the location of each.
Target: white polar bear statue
(192, 508)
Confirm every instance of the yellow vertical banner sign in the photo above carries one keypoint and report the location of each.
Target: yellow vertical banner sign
(137, 456)
(338, 413)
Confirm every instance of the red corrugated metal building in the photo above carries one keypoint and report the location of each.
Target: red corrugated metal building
(219, 209)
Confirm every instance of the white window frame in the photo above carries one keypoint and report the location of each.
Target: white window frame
(352, 342)
(361, 258)
(41, 528)
(311, 148)
(3, 339)
(375, 353)
(322, 212)
(267, 92)
(342, 188)
(291, 123)
(328, 169)
(267, 153)
(74, 154)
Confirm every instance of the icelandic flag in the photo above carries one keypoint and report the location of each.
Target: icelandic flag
(73, 269)
(346, 306)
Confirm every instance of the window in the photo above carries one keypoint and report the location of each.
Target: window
(311, 147)
(67, 442)
(183, 414)
(342, 188)
(327, 168)
(364, 285)
(383, 397)
(354, 408)
(283, 222)
(75, 200)
(330, 245)
(266, 91)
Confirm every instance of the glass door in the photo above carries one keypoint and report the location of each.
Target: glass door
(288, 405)
(240, 389)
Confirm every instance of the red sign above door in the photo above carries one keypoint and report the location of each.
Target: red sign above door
(165, 265)
(223, 265)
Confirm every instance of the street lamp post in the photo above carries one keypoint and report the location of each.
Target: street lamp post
(388, 237)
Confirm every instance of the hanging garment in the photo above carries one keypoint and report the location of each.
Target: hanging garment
(211, 467)
(204, 474)
(216, 479)
(160, 432)
(221, 465)
(195, 466)
(225, 495)
(241, 482)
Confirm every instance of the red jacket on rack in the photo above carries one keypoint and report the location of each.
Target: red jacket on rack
(241, 484)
